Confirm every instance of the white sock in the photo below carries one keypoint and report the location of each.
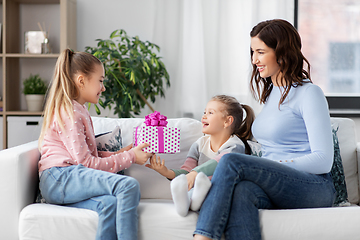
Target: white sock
(179, 192)
(201, 188)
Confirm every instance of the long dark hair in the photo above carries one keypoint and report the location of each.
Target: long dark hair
(240, 127)
(281, 36)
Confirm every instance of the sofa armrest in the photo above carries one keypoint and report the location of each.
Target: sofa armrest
(18, 184)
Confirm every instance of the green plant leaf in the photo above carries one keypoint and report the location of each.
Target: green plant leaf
(129, 64)
(97, 110)
(34, 85)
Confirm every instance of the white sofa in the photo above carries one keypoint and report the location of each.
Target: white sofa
(22, 219)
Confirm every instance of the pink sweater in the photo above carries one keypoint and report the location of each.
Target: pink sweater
(75, 144)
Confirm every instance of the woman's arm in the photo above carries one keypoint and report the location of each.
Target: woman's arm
(315, 113)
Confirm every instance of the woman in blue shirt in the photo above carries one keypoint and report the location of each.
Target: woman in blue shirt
(294, 131)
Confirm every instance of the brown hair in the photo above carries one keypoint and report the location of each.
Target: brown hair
(240, 127)
(281, 36)
(63, 88)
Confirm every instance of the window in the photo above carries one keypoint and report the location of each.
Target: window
(330, 35)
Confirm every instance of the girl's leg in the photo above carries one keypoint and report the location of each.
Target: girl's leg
(179, 192)
(201, 188)
(105, 206)
(286, 187)
(74, 184)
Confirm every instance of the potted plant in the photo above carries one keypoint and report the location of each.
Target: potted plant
(134, 73)
(34, 90)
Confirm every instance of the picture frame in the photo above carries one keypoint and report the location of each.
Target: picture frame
(33, 41)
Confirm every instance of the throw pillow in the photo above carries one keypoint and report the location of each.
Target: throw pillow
(110, 141)
(337, 173)
(255, 148)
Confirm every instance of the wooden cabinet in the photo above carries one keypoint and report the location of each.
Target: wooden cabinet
(19, 16)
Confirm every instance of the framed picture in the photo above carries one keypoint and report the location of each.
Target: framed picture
(33, 40)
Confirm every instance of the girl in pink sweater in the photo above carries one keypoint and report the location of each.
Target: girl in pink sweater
(72, 171)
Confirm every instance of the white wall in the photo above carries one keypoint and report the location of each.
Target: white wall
(97, 19)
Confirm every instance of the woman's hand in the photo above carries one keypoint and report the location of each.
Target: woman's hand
(141, 156)
(159, 165)
(191, 179)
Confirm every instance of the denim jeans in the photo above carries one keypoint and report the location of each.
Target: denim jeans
(242, 184)
(114, 197)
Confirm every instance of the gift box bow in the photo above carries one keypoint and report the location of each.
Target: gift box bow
(155, 119)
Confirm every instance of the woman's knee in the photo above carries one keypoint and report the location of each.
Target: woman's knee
(247, 191)
(230, 163)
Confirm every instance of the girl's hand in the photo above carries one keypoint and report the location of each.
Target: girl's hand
(191, 179)
(141, 156)
(159, 165)
(127, 148)
(156, 164)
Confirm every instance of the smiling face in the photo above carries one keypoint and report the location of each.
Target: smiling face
(91, 86)
(214, 119)
(265, 60)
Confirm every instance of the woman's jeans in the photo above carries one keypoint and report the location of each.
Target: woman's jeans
(114, 197)
(242, 184)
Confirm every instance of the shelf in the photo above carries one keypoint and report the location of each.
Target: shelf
(23, 113)
(21, 55)
(37, 1)
(18, 17)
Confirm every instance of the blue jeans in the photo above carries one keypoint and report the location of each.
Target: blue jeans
(114, 197)
(242, 184)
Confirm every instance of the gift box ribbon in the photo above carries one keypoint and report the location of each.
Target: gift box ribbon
(155, 119)
(161, 142)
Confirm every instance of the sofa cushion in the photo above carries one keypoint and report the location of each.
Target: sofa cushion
(158, 220)
(152, 184)
(310, 224)
(109, 141)
(347, 143)
(48, 221)
(337, 173)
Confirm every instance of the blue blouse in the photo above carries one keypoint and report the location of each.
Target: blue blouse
(298, 133)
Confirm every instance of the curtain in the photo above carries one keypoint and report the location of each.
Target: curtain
(205, 45)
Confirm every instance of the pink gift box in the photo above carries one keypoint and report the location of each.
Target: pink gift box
(161, 139)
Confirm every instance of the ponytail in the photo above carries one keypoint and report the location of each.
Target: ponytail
(244, 131)
(240, 127)
(63, 89)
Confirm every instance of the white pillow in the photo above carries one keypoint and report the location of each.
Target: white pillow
(152, 184)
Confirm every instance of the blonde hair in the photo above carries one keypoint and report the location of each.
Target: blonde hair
(63, 88)
(241, 126)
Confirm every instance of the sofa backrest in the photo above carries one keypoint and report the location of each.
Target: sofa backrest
(152, 184)
(347, 142)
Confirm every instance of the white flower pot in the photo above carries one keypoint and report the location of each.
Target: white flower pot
(35, 102)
